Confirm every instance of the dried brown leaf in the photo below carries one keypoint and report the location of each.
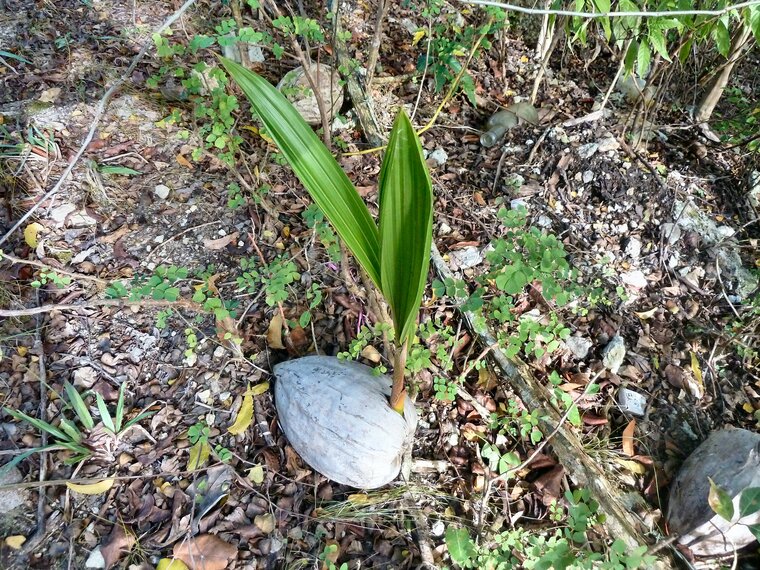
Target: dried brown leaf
(628, 440)
(220, 243)
(119, 543)
(205, 552)
(274, 332)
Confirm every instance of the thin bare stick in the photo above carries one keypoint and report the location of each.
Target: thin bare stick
(180, 303)
(96, 119)
(594, 15)
(374, 49)
(35, 539)
(18, 260)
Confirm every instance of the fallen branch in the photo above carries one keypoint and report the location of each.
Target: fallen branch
(586, 473)
(123, 303)
(18, 260)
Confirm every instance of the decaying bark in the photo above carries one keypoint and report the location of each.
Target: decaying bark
(718, 84)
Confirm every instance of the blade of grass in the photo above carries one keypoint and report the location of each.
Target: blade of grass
(315, 167)
(39, 424)
(71, 430)
(77, 403)
(105, 415)
(120, 407)
(406, 225)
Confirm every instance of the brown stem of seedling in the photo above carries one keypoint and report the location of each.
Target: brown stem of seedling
(398, 391)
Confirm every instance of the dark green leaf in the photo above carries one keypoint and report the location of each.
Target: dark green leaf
(315, 167)
(77, 403)
(749, 502)
(39, 424)
(755, 530)
(644, 58)
(720, 502)
(105, 415)
(722, 38)
(10, 55)
(460, 545)
(121, 170)
(406, 225)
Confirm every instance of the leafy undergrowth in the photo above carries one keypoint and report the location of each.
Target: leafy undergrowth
(185, 212)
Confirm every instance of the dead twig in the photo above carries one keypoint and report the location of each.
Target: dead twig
(18, 260)
(180, 303)
(39, 534)
(374, 49)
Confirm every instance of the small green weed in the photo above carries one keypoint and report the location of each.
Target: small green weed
(73, 433)
(46, 277)
(563, 548)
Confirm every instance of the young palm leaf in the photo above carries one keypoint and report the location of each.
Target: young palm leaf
(315, 167)
(406, 226)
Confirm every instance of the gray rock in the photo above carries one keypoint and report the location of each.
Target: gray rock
(161, 191)
(95, 559)
(336, 415)
(438, 157)
(11, 498)
(544, 221)
(671, 233)
(613, 354)
(608, 143)
(588, 150)
(255, 53)
(754, 190)
(744, 282)
(633, 248)
(632, 402)
(295, 86)
(588, 176)
(465, 258)
(731, 458)
(579, 346)
(635, 279)
(516, 203)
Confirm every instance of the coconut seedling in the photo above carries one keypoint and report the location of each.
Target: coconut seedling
(395, 252)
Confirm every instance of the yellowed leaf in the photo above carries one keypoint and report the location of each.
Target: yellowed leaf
(274, 332)
(198, 455)
(257, 389)
(696, 369)
(184, 162)
(91, 488)
(171, 564)
(205, 552)
(244, 417)
(418, 35)
(645, 315)
(256, 474)
(14, 542)
(22, 350)
(50, 95)
(632, 466)
(265, 522)
(628, 440)
(30, 234)
(370, 353)
(358, 498)
(749, 408)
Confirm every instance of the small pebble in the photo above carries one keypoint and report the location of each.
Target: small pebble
(613, 354)
(162, 191)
